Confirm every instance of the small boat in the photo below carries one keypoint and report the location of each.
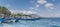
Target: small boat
(1, 20)
(29, 19)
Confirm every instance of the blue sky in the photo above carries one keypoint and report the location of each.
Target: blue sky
(44, 8)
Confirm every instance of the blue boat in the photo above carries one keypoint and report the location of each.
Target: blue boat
(2, 20)
(29, 19)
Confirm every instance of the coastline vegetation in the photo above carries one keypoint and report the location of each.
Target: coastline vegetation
(6, 12)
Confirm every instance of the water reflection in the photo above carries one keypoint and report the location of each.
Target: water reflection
(36, 23)
(1, 25)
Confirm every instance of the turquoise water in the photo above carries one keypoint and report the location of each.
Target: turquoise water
(44, 22)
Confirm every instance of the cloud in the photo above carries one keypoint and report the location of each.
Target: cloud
(29, 12)
(35, 8)
(19, 11)
(15, 11)
(22, 11)
(55, 15)
(49, 5)
(37, 5)
(31, 8)
(45, 2)
(41, 1)
(50, 15)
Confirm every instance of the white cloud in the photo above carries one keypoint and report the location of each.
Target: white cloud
(37, 6)
(49, 5)
(50, 15)
(29, 12)
(55, 15)
(15, 11)
(22, 11)
(45, 2)
(41, 1)
(31, 8)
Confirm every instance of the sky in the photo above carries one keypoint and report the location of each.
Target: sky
(43, 8)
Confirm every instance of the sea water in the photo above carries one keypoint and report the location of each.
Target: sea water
(43, 22)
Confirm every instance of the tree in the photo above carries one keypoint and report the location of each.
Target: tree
(4, 11)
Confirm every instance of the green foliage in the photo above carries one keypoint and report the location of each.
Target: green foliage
(17, 15)
(4, 10)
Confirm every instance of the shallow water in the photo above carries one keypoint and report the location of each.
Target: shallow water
(44, 22)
